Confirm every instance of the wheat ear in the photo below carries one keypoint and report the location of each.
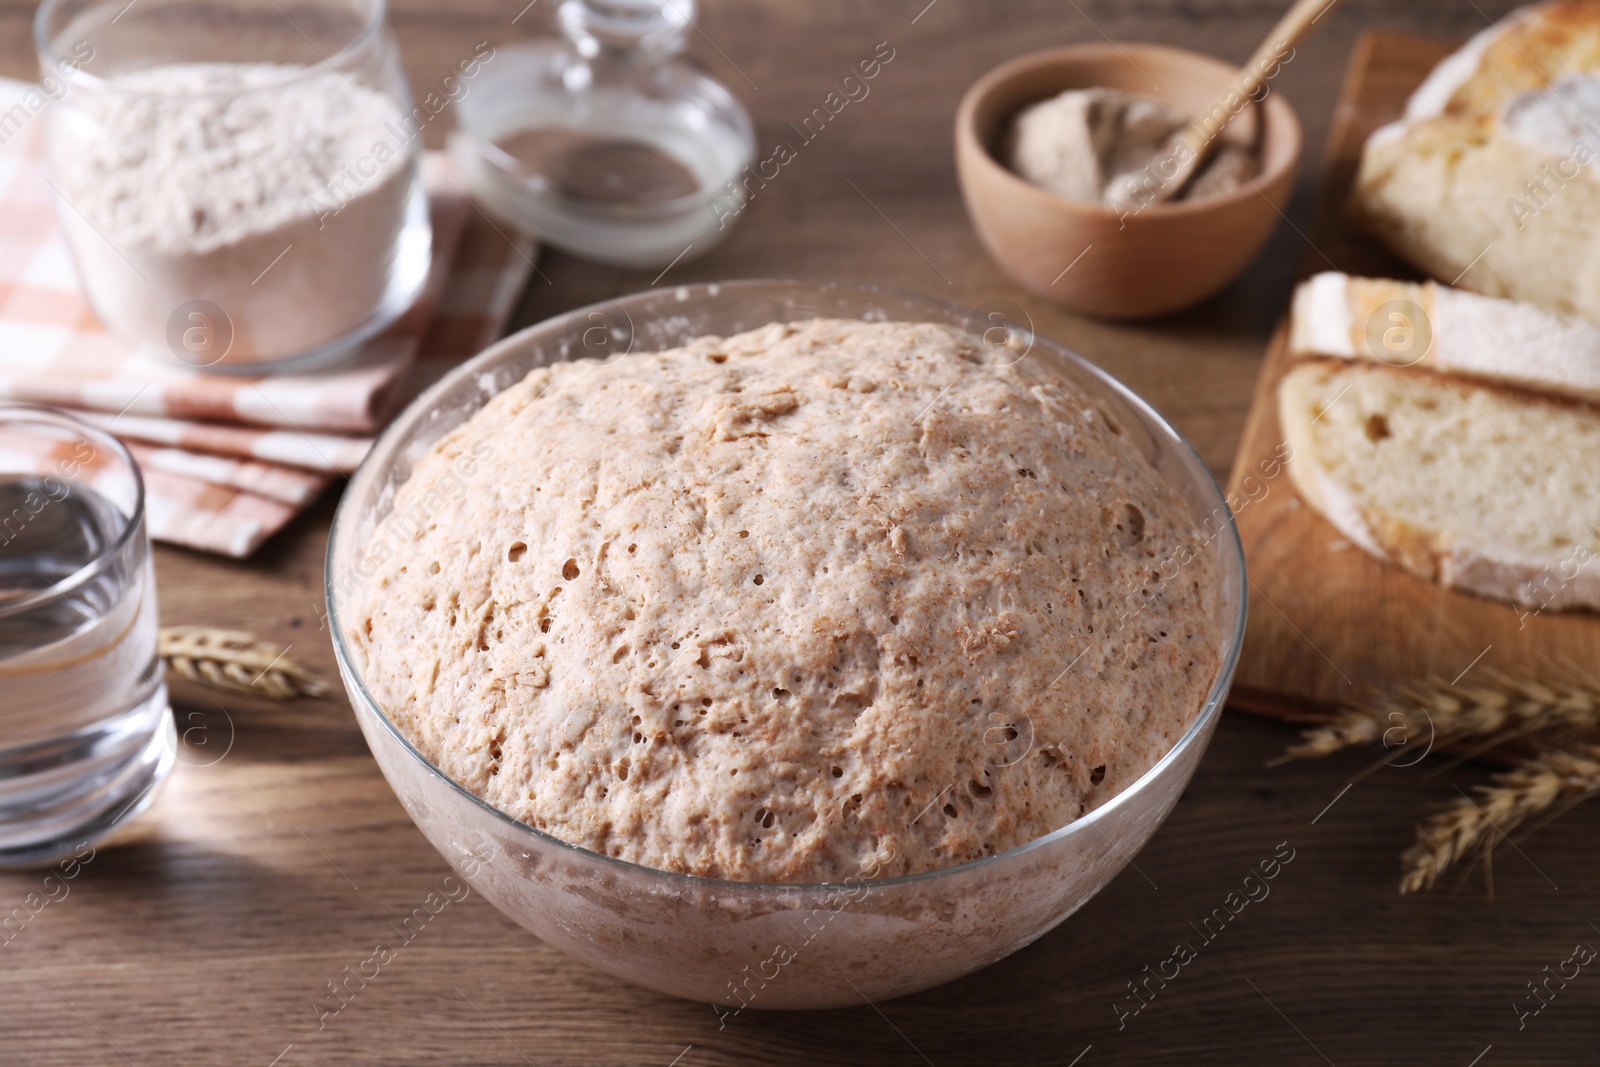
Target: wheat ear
(236, 662)
(1499, 706)
(1469, 825)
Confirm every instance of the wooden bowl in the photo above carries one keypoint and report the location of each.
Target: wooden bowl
(1137, 263)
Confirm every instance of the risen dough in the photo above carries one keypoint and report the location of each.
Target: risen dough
(814, 600)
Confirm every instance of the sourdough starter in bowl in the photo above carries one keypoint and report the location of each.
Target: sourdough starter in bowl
(819, 599)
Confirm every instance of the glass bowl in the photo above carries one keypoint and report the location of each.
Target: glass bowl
(742, 944)
(615, 119)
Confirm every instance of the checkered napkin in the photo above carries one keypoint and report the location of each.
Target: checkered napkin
(229, 460)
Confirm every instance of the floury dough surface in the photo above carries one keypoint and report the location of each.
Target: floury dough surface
(1104, 146)
(1556, 117)
(812, 600)
(204, 174)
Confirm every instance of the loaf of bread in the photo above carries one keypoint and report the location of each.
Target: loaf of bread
(786, 606)
(1478, 488)
(1448, 331)
(1489, 180)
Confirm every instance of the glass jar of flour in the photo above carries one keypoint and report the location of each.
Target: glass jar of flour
(238, 181)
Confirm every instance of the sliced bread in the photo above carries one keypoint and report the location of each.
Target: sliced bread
(1450, 331)
(1490, 179)
(1485, 490)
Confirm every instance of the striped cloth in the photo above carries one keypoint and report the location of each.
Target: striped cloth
(230, 460)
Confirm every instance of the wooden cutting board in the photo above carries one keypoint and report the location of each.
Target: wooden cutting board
(1328, 622)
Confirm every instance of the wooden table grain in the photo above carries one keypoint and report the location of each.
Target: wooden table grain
(277, 857)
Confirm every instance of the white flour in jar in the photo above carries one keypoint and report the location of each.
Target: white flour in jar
(273, 192)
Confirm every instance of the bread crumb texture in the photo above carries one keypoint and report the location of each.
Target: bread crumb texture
(1486, 489)
(1493, 193)
(818, 598)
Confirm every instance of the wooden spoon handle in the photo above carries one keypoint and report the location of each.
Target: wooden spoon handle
(1294, 25)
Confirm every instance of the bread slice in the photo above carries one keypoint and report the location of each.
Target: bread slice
(1491, 181)
(1485, 490)
(1449, 331)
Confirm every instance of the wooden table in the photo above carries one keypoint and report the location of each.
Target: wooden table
(278, 856)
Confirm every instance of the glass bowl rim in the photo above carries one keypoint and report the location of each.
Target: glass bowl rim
(133, 521)
(1210, 710)
(44, 44)
(468, 136)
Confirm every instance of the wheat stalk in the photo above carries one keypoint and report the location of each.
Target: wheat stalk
(1497, 709)
(236, 662)
(1467, 825)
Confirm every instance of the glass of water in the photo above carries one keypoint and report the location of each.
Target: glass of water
(86, 733)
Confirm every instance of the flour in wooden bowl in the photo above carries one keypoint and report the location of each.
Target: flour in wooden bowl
(816, 599)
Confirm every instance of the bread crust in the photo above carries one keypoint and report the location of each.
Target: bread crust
(1433, 555)
(1310, 479)
(1508, 344)
(1446, 188)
